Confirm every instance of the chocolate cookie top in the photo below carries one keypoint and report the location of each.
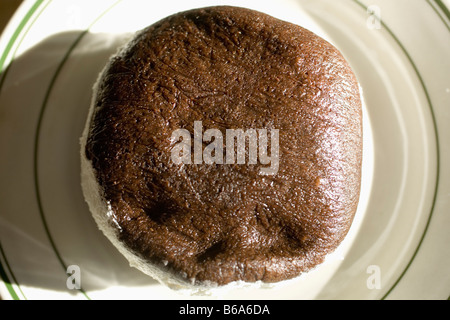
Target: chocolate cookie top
(230, 68)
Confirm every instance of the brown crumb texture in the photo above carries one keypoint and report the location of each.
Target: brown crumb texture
(229, 68)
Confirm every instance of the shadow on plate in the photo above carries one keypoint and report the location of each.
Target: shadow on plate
(50, 89)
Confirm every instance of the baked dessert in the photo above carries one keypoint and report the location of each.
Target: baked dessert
(193, 224)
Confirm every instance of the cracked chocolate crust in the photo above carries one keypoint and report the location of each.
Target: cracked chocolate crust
(231, 68)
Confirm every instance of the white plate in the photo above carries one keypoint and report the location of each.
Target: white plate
(398, 248)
